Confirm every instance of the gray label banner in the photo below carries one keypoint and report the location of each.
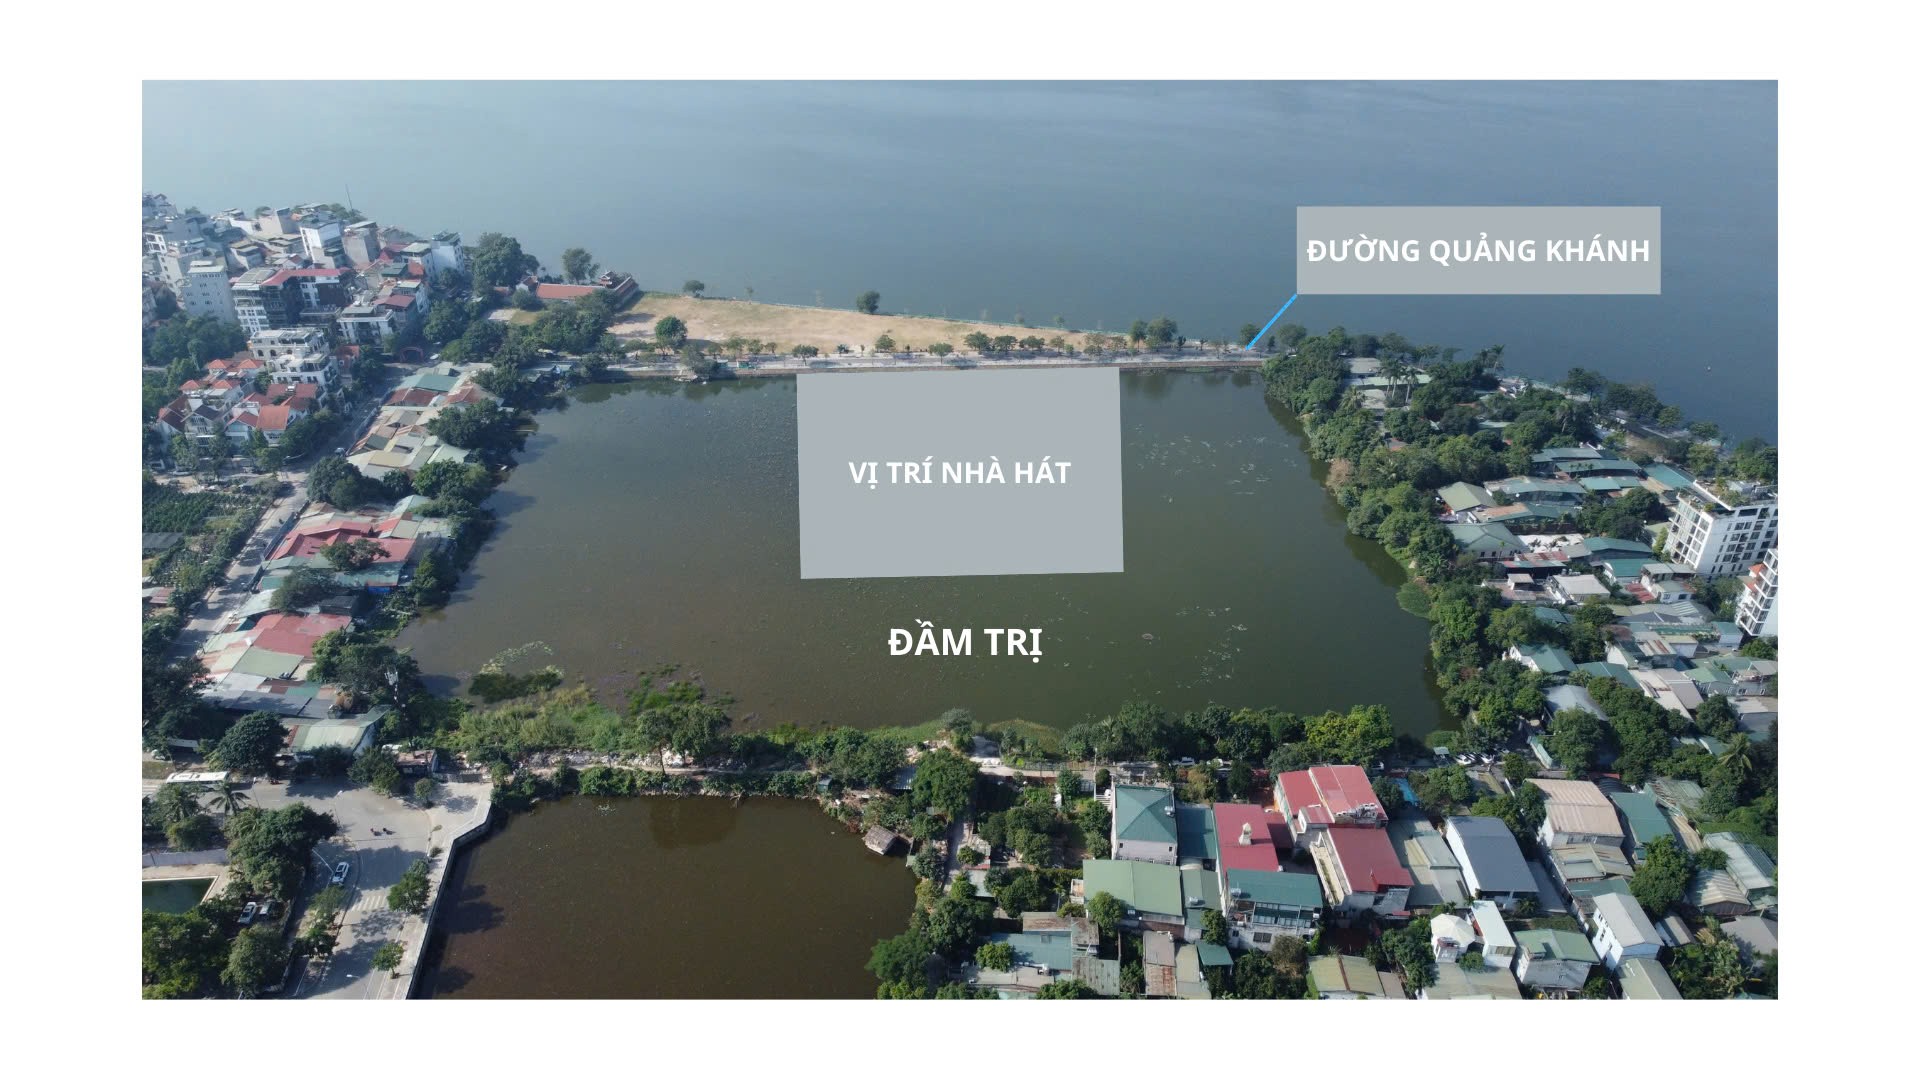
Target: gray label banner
(1461, 250)
(882, 525)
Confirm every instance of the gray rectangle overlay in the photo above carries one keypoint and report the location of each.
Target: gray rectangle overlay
(943, 529)
(1545, 226)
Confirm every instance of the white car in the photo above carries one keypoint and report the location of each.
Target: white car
(340, 874)
(1464, 759)
(247, 913)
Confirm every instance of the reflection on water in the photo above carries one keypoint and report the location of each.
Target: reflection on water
(636, 898)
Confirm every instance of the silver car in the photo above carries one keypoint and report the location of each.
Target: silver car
(340, 874)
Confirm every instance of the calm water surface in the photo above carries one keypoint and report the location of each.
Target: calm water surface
(1096, 202)
(653, 523)
(675, 898)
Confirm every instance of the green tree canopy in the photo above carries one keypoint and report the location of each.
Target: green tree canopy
(578, 264)
(251, 744)
(257, 960)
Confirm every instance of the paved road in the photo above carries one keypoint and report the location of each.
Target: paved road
(376, 860)
(218, 606)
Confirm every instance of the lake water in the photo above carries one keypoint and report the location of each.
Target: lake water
(1099, 203)
(668, 898)
(653, 523)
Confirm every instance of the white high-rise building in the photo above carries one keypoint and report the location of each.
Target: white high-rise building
(205, 290)
(1758, 613)
(1715, 539)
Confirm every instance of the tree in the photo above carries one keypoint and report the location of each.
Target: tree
(578, 264)
(1661, 880)
(1575, 737)
(270, 849)
(901, 960)
(423, 791)
(670, 332)
(1389, 793)
(251, 744)
(1065, 990)
(1213, 927)
(303, 586)
(1355, 737)
(175, 803)
(179, 954)
(867, 302)
(356, 554)
(940, 348)
(257, 960)
(978, 341)
(693, 287)
(409, 894)
(1106, 912)
(197, 833)
(498, 261)
(994, 956)
(883, 343)
(1708, 969)
(387, 957)
(230, 798)
(482, 426)
(379, 770)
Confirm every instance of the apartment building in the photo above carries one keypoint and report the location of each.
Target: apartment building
(1715, 539)
(1757, 613)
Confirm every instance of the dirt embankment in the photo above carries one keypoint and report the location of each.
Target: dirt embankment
(715, 320)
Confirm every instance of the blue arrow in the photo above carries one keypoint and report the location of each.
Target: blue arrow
(1248, 347)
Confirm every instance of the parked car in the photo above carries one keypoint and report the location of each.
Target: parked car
(340, 874)
(1464, 759)
(266, 909)
(247, 913)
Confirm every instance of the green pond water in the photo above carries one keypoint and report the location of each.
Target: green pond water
(654, 523)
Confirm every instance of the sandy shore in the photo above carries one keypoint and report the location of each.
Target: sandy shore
(716, 320)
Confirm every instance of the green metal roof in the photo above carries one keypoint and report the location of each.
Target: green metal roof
(1274, 887)
(267, 664)
(1550, 659)
(1212, 955)
(1557, 944)
(1644, 819)
(1199, 838)
(1618, 673)
(1040, 948)
(1144, 814)
(1461, 495)
(1143, 886)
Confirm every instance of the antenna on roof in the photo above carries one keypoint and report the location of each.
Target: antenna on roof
(350, 210)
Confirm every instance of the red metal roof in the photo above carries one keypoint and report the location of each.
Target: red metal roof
(1345, 790)
(295, 634)
(1367, 858)
(1269, 836)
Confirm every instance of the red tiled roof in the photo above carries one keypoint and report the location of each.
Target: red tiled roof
(1367, 858)
(396, 300)
(1269, 836)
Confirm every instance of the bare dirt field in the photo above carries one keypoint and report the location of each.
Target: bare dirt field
(716, 320)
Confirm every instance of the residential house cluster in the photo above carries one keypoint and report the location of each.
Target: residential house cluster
(399, 440)
(282, 377)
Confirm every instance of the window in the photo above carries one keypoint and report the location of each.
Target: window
(1262, 939)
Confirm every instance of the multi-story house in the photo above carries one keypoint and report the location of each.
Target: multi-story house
(1360, 872)
(205, 290)
(1143, 825)
(1621, 930)
(1316, 799)
(272, 298)
(1757, 613)
(1716, 539)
